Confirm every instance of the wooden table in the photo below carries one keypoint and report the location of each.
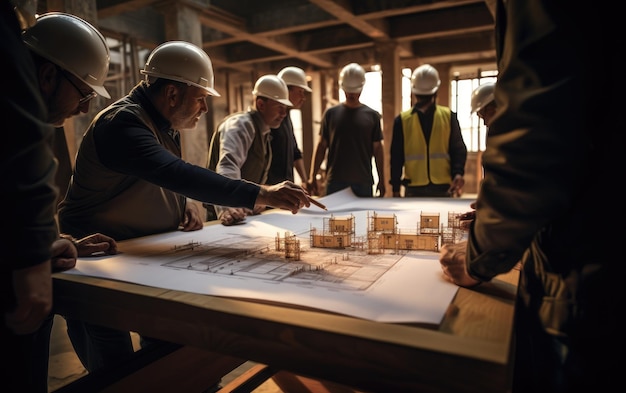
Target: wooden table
(470, 351)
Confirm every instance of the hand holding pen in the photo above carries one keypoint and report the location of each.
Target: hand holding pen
(287, 196)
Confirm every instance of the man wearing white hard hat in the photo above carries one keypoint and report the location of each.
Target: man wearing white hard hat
(71, 58)
(483, 102)
(130, 179)
(28, 195)
(350, 136)
(81, 58)
(241, 149)
(427, 150)
(286, 155)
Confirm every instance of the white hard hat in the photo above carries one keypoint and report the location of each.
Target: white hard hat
(425, 80)
(182, 62)
(294, 76)
(72, 44)
(272, 87)
(482, 96)
(352, 78)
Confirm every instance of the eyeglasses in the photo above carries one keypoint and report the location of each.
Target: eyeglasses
(86, 97)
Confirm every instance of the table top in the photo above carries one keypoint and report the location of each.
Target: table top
(470, 351)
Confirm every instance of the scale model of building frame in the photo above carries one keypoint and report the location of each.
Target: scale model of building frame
(383, 233)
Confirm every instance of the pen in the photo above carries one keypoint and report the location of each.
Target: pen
(316, 203)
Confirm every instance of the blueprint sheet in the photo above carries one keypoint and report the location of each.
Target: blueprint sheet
(246, 261)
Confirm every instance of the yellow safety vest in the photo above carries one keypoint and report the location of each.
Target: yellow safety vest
(416, 167)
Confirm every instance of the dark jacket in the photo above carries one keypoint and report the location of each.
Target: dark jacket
(550, 161)
(27, 188)
(129, 179)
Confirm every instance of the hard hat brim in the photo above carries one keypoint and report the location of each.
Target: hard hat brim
(283, 101)
(209, 89)
(305, 87)
(100, 90)
(425, 92)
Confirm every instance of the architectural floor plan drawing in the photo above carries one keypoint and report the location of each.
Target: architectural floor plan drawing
(340, 260)
(258, 258)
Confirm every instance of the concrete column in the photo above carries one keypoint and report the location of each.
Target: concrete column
(391, 94)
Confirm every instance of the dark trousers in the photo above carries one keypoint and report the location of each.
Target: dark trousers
(26, 355)
(17, 351)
